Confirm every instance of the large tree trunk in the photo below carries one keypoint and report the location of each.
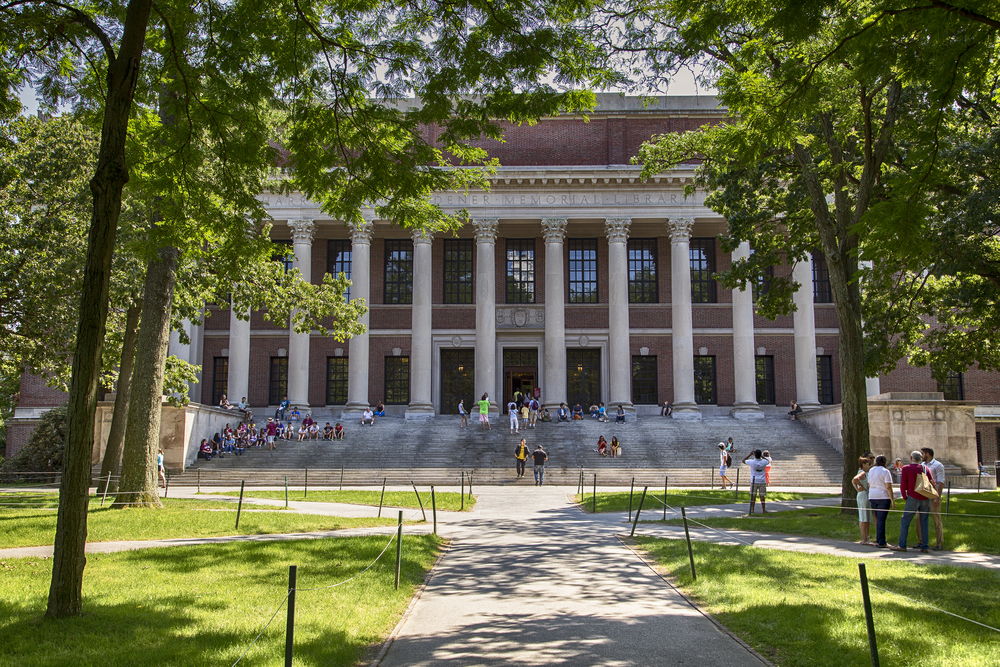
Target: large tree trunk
(110, 176)
(111, 465)
(138, 485)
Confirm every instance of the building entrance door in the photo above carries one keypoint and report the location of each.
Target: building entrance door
(520, 369)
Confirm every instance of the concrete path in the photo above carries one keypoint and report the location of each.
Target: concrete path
(532, 580)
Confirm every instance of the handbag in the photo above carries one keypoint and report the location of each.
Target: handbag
(923, 485)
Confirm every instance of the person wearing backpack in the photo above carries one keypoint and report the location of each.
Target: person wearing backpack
(916, 483)
(725, 460)
(520, 457)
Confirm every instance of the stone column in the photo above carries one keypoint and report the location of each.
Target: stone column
(357, 361)
(197, 335)
(298, 343)
(872, 384)
(486, 334)
(685, 406)
(421, 406)
(239, 356)
(744, 364)
(804, 326)
(554, 380)
(619, 351)
(189, 352)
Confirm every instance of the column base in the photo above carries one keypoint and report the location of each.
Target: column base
(746, 411)
(354, 411)
(810, 406)
(687, 412)
(419, 411)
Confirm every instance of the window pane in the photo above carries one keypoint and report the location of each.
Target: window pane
(397, 380)
(952, 387)
(220, 378)
(822, 293)
(336, 380)
(824, 378)
(279, 254)
(338, 260)
(702, 258)
(583, 270)
(458, 271)
(765, 380)
(642, 284)
(583, 377)
(520, 270)
(458, 374)
(644, 380)
(399, 271)
(279, 380)
(704, 380)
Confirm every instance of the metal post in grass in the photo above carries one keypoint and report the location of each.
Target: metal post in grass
(666, 479)
(108, 483)
(470, 485)
(419, 500)
(305, 486)
(381, 499)
(199, 480)
(631, 491)
(979, 482)
(290, 625)
(581, 481)
(462, 492)
(239, 507)
(286, 491)
(711, 478)
(687, 536)
(736, 495)
(434, 510)
(947, 505)
(341, 478)
(872, 645)
(399, 546)
(638, 510)
(594, 497)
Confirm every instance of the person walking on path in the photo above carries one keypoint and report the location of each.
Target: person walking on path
(512, 413)
(540, 457)
(520, 457)
(463, 420)
(758, 479)
(484, 412)
(937, 470)
(725, 460)
(915, 502)
(860, 482)
(880, 497)
(160, 469)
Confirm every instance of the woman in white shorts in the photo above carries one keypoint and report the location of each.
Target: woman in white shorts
(723, 458)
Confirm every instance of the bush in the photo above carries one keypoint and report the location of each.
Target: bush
(44, 451)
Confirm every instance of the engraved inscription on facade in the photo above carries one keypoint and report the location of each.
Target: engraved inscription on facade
(521, 317)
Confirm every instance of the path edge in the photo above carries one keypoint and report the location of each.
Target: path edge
(387, 644)
(658, 570)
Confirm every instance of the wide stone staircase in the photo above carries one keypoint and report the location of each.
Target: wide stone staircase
(437, 451)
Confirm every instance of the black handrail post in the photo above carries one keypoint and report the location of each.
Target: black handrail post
(381, 498)
(872, 645)
(419, 500)
(399, 546)
(595, 493)
(305, 487)
(462, 492)
(641, 501)
(631, 491)
(666, 479)
(687, 536)
(434, 510)
(239, 507)
(736, 495)
(290, 625)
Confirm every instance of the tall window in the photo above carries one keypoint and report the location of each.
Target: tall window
(703, 286)
(824, 379)
(704, 380)
(338, 260)
(399, 271)
(822, 293)
(644, 379)
(952, 387)
(458, 270)
(762, 285)
(520, 270)
(583, 270)
(583, 376)
(287, 260)
(220, 378)
(279, 380)
(458, 375)
(336, 380)
(642, 285)
(397, 380)
(765, 379)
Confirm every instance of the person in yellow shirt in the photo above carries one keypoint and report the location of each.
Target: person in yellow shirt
(520, 456)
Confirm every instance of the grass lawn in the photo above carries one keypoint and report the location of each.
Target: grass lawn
(36, 525)
(961, 532)
(806, 610)
(203, 605)
(450, 501)
(617, 501)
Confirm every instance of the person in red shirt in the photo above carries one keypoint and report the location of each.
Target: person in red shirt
(272, 431)
(915, 502)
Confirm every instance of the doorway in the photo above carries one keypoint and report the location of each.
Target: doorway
(520, 371)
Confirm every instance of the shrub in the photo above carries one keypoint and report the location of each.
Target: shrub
(44, 451)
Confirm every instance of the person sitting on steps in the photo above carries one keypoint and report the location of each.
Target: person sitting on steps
(546, 416)
(795, 410)
(602, 446)
(602, 412)
(620, 415)
(616, 447)
(368, 416)
(577, 411)
(379, 409)
(563, 413)
(666, 410)
(338, 432)
(593, 410)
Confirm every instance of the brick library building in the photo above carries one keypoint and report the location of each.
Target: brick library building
(574, 281)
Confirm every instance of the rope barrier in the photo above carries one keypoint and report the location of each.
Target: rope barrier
(370, 566)
(262, 631)
(943, 611)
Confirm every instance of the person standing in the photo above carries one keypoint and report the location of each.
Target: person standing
(915, 502)
(534, 406)
(463, 417)
(272, 431)
(540, 457)
(758, 479)
(724, 461)
(880, 496)
(937, 471)
(512, 413)
(484, 412)
(160, 469)
(520, 458)
(861, 485)
(767, 468)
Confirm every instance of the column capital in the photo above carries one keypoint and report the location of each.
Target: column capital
(486, 229)
(680, 229)
(302, 230)
(422, 236)
(617, 229)
(554, 229)
(362, 233)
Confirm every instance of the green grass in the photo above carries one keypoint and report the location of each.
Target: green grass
(445, 500)
(617, 501)
(802, 610)
(961, 533)
(203, 605)
(35, 525)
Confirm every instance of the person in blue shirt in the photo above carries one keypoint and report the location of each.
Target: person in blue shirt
(563, 413)
(279, 414)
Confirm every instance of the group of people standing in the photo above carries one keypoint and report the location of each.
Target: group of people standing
(921, 484)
